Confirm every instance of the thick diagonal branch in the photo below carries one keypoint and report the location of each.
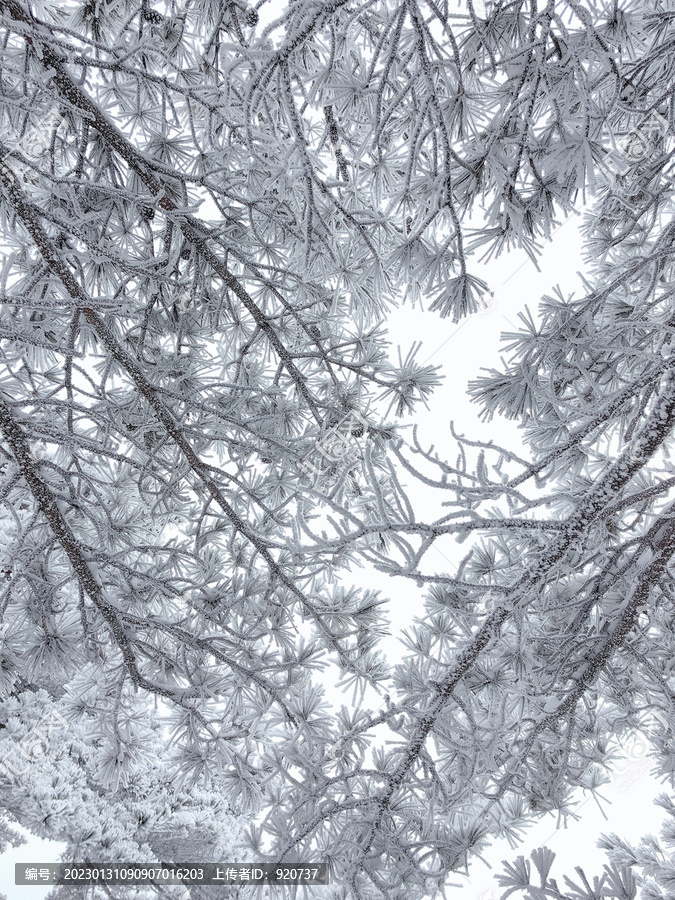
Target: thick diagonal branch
(29, 215)
(194, 232)
(48, 505)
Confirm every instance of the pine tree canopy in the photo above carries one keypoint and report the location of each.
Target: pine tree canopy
(208, 210)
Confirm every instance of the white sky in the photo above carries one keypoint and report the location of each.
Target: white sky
(463, 350)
